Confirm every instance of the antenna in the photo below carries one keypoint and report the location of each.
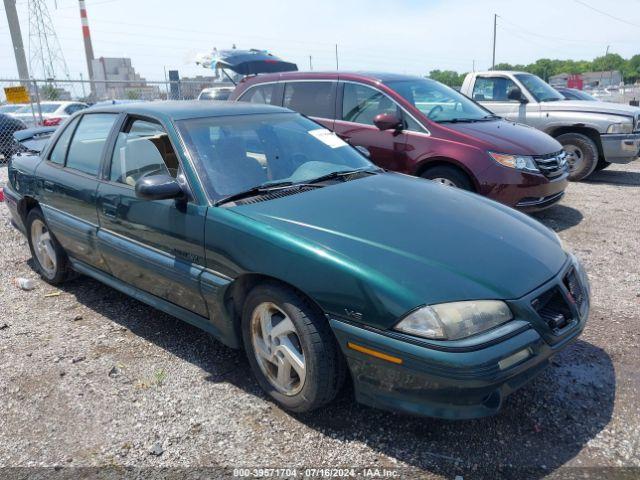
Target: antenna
(45, 54)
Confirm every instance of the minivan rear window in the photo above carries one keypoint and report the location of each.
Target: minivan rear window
(315, 99)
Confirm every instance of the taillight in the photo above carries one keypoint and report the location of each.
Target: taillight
(51, 122)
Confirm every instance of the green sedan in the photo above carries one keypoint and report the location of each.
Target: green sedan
(271, 233)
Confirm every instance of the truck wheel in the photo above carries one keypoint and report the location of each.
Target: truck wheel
(449, 176)
(582, 155)
(48, 255)
(291, 348)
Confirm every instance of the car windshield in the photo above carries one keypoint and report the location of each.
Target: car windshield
(237, 153)
(437, 101)
(541, 90)
(10, 108)
(44, 107)
(579, 94)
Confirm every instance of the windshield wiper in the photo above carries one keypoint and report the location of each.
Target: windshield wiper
(339, 174)
(257, 190)
(460, 120)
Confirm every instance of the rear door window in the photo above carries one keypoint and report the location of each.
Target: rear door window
(315, 99)
(361, 104)
(87, 145)
(493, 89)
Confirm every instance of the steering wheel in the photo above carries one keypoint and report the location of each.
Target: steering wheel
(434, 111)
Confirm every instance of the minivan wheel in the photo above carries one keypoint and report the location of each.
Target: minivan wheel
(291, 348)
(582, 155)
(48, 255)
(449, 176)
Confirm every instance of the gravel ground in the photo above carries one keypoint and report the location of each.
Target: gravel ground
(90, 377)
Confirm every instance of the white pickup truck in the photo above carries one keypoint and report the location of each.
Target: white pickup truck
(594, 134)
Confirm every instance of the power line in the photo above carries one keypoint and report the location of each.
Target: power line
(607, 14)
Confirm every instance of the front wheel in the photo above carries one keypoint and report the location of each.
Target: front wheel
(449, 176)
(291, 348)
(582, 155)
(48, 255)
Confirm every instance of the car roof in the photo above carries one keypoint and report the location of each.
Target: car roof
(331, 75)
(181, 110)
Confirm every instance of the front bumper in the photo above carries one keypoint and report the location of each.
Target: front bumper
(454, 380)
(524, 191)
(620, 148)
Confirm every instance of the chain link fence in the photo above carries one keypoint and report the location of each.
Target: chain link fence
(52, 100)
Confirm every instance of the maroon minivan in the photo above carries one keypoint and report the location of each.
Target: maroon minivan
(421, 127)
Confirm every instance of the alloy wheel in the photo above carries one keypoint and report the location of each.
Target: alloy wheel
(277, 348)
(43, 247)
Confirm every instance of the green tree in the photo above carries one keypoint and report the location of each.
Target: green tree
(49, 92)
(448, 77)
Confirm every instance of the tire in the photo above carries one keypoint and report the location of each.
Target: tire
(582, 155)
(308, 335)
(450, 176)
(602, 164)
(48, 255)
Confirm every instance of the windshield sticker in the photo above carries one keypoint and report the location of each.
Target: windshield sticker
(328, 137)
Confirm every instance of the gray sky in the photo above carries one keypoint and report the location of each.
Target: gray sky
(407, 36)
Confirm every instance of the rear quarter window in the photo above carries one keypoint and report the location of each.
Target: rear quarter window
(260, 94)
(62, 144)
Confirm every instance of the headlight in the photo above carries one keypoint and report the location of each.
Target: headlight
(622, 127)
(519, 162)
(453, 321)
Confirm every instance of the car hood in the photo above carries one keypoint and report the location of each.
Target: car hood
(507, 137)
(437, 243)
(591, 107)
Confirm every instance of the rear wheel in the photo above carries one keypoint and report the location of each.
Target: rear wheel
(48, 255)
(291, 348)
(449, 176)
(582, 155)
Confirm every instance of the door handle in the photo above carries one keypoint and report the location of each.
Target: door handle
(109, 210)
(48, 186)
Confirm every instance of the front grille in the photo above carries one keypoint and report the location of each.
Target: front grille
(553, 309)
(552, 164)
(574, 286)
(637, 129)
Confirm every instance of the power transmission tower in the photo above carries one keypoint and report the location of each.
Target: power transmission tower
(45, 55)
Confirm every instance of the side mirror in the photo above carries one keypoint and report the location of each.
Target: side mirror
(516, 94)
(387, 121)
(158, 187)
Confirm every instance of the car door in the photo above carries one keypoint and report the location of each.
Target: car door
(154, 245)
(492, 92)
(68, 180)
(313, 98)
(360, 105)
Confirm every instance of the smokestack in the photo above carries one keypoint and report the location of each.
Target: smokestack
(88, 48)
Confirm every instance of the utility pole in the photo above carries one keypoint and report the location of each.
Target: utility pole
(310, 63)
(16, 38)
(495, 24)
(88, 47)
(473, 68)
(336, 56)
(607, 51)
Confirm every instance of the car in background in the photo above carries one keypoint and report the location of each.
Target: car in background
(11, 107)
(593, 134)
(8, 145)
(268, 231)
(421, 127)
(216, 93)
(575, 94)
(53, 113)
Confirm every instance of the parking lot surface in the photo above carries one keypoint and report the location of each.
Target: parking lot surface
(90, 377)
